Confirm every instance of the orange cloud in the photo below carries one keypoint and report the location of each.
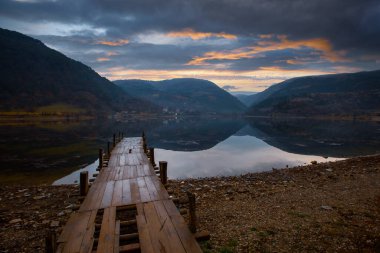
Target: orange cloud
(188, 32)
(319, 44)
(102, 59)
(113, 43)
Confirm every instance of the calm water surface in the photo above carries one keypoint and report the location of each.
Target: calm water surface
(56, 152)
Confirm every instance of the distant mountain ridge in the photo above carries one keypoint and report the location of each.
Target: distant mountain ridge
(34, 76)
(354, 94)
(246, 99)
(185, 95)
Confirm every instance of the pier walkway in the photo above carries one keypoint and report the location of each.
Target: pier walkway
(127, 209)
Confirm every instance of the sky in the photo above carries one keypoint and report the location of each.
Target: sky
(241, 45)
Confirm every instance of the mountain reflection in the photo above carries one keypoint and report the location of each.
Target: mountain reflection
(42, 152)
(318, 137)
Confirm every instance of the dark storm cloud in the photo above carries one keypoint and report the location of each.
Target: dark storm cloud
(75, 27)
(348, 23)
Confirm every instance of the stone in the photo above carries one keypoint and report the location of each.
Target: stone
(54, 223)
(326, 208)
(15, 221)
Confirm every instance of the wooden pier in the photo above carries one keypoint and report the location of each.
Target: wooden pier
(127, 208)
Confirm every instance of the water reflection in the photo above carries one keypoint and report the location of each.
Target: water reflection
(234, 156)
(194, 147)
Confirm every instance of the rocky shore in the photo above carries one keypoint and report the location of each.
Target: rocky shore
(328, 207)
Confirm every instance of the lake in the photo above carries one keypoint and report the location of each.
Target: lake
(55, 152)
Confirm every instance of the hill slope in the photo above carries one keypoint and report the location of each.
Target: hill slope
(352, 94)
(184, 94)
(34, 76)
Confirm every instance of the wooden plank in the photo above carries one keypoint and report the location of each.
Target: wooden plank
(146, 245)
(122, 161)
(154, 194)
(117, 235)
(160, 188)
(107, 231)
(168, 228)
(135, 192)
(127, 196)
(117, 197)
(154, 228)
(187, 238)
(140, 170)
(144, 193)
(77, 232)
(88, 239)
(108, 194)
(93, 200)
(129, 248)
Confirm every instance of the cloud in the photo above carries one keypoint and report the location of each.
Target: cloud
(102, 59)
(231, 42)
(115, 43)
(229, 87)
(188, 32)
(320, 45)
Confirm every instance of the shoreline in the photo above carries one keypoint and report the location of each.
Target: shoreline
(326, 207)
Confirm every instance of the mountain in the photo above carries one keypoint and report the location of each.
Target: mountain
(34, 77)
(354, 94)
(186, 95)
(246, 99)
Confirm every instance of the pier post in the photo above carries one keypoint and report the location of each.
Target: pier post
(83, 183)
(108, 149)
(100, 159)
(145, 148)
(163, 172)
(114, 140)
(143, 137)
(151, 152)
(51, 242)
(192, 215)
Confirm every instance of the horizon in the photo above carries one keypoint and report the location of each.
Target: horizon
(240, 46)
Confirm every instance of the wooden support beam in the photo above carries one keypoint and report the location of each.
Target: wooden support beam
(51, 242)
(100, 158)
(83, 183)
(127, 237)
(202, 236)
(151, 153)
(163, 172)
(108, 149)
(129, 248)
(193, 217)
(114, 140)
(145, 148)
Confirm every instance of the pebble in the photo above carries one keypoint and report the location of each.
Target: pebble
(326, 208)
(38, 197)
(15, 221)
(54, 223)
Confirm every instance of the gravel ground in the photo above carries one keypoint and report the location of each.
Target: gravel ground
(328, 207)
(28, 213)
